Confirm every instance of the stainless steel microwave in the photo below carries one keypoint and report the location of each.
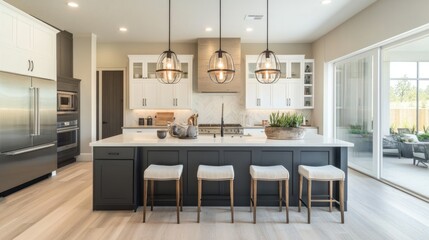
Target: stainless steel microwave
(67, 101)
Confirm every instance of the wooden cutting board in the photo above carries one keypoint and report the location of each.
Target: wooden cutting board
(162, 118)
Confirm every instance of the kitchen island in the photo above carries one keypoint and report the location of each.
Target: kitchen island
(119, 163)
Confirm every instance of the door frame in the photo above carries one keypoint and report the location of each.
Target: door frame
(100, 96)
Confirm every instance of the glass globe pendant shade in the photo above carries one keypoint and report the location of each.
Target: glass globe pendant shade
(221, 67)
(267, 68)
(168, 68)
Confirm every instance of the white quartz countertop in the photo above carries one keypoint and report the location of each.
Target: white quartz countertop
(151, 140)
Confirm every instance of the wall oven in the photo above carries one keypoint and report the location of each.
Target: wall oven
(67, 102)
(67, 135)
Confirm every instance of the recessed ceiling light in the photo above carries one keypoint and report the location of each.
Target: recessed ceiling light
(249, 29)
(209, 29)
(123, 29)
(73, 4)
(326, 1)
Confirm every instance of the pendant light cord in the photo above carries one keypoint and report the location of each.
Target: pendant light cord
(267, 25)
(169, 23)
(220, 25)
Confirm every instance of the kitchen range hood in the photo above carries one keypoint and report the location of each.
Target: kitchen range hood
(206, 47)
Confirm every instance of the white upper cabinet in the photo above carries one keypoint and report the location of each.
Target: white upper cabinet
(27, 45)
(146, 92)
(289, 92)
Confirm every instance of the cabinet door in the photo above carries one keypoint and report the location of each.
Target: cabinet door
(252, 94)
(295, 94)
(43, 52)
(264, 95)
(183, 93)
(113, 182)
(166, 98)
(10, 60)
(136, 100)
(279, 94)
(143, 94)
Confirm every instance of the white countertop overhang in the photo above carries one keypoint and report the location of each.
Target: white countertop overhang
(151, 140)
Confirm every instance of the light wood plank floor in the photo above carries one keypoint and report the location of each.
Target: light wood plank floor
(61, 208)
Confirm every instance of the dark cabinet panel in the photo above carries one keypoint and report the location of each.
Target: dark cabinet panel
(65, 54)
(241, 161)
(271, 158)
(316, 158)
(114, 178)
(162, 157)
(113, 182)
(194, 159)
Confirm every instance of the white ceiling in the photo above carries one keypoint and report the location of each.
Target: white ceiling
(290, 21)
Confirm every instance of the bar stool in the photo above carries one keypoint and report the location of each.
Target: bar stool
(269, 173)
(323, 173)
(215, 173)
(163, 173)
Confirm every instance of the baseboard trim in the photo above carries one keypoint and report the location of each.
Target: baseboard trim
(84, 157)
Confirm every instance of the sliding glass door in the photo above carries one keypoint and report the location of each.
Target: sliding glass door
(405, 118)
(354, 115)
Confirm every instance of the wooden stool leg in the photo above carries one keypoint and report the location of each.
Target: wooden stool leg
(199, 199)
(287, 199)
(280, 196)
(152, 186)
(178, 200)
(309, 199)
(231, 192)
(300, 193)
(181, 194)
(342, 200)
(330, 196)
(144, 200)
(255, 194)
(251, 194)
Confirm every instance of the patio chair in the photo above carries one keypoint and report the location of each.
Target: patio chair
(391, 146)
(420, 154)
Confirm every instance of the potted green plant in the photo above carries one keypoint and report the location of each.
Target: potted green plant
(285, 126)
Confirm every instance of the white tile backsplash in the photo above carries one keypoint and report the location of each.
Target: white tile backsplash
(209, 108)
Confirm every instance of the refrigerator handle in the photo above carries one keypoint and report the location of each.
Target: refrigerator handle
(26, 150)
(35, 111)
(38, 111)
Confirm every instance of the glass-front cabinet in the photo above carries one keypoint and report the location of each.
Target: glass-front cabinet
(146, 92)
(291, 91)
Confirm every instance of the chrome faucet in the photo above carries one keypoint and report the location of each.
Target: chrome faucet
(221, 123)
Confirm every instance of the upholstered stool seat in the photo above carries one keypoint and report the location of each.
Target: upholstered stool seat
(215, 173)
(277, 172)
(322, 173)
(163, 173)
(327, 173)
(269, 173)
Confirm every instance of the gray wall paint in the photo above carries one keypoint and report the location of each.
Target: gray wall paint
(380, 21)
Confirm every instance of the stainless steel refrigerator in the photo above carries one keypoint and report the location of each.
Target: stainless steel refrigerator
(27, 129)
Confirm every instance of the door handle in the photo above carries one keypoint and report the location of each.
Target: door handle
(104, 122)
(26, 150)
(29, 65)
(32, 65)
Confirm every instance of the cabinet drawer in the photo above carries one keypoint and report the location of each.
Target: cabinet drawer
(114, 153)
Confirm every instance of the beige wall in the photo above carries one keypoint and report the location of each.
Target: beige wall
(114, 55)
(380, 21)
(84, 68)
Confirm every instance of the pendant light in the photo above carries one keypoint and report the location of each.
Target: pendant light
(268, 65)
(221, 66)
(168, 68)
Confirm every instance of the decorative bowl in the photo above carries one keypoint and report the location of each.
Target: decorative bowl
(284, 133)
(161, 134)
